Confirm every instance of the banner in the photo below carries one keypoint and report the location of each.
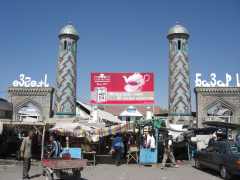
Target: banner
(122, 88)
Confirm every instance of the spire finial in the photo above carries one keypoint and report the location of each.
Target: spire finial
(70, 23)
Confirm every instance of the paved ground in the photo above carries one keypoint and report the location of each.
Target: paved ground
(11, 170)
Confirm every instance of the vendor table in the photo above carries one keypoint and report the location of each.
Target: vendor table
(93, 153)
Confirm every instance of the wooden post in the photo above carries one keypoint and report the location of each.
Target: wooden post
(153, 108)
(157, 141)
(188, 150)
(43, 137)
(67, 142)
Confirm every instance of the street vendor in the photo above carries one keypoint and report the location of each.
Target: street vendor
(55, 147)
(151, 142)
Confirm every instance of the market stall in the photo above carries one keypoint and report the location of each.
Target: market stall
(69, 161)
(149, 155)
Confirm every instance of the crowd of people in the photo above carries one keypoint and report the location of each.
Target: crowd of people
(148, 142)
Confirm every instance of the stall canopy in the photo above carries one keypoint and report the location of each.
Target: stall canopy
(112, 130)
(106, 116)
(70, 128)
(101, 115)
(91, 131)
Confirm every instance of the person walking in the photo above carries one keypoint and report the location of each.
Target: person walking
(26, 154)
(118, 148)
(168, 152)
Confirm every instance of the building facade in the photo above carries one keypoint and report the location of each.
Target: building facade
(217, 104)
(179, 102)
(31, 104)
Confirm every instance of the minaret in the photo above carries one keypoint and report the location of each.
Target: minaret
(65, 102)
(179, 80)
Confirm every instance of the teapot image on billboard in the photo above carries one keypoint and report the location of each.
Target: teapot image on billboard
(135, 82)
(122, 88)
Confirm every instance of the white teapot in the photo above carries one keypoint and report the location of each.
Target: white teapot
(135, 82)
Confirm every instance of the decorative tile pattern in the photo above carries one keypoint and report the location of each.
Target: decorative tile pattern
(65, 102)
(179, 81)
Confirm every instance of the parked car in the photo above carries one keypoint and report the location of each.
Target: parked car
(222, 156)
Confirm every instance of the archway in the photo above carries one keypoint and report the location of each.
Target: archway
(220, 111)
(28, 113)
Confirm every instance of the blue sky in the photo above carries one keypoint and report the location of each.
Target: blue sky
(118, 35)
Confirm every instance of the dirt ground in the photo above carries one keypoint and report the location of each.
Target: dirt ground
(12, 170)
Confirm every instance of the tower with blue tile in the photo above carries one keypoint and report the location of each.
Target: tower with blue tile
(179, 78)
(65, 96)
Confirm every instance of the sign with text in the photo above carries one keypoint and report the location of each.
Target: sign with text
(26, 81)
(122, 88)
(229, 81)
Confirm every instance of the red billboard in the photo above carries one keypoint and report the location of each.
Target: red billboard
(122, 88)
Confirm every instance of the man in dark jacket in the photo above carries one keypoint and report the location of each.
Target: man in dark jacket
(118, 148)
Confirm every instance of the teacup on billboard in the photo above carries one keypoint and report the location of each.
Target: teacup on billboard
(122, 88)
(135, 82)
